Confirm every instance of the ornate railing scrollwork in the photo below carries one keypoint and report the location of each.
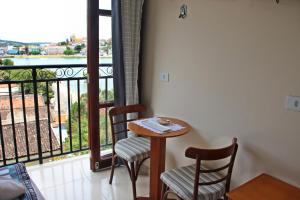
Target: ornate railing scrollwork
(106, 70)
(70, 72)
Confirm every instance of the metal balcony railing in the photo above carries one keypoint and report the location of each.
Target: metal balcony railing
(43, 111)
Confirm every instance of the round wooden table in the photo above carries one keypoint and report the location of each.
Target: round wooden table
(158, 153)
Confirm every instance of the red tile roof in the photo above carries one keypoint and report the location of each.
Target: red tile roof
(6, 86)
(32, 139)
(20, 126)
(17, 101)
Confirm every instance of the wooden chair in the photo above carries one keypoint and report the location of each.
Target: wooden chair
(133, 151)
(197, 182)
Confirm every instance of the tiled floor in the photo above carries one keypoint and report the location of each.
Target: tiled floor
(71, 179)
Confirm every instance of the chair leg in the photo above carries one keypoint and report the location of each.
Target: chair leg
(138, 166)
(165, 195)
(163, 191)
(112, 169)
(133, 179)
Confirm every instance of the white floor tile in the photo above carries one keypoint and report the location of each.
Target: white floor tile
(71, 179)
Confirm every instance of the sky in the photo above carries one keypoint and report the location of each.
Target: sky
(47, 20)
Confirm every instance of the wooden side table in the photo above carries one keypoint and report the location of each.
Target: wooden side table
(158, 153)
(265, 187)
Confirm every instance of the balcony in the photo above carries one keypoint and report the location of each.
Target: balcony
(44, 112)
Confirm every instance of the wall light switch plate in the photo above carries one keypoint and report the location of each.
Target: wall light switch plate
(292, 103)
(164, 77)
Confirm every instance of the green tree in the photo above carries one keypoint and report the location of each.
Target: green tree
(106, 95)
(26, 74)
(78, 48)
(41, 86)
(8, 62)
(63, 43)
(2, 72)
(104, 120)
(35, 52)
(75, 125)
(69, 51)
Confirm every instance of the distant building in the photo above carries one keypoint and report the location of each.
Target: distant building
(84, 40)
(10, 47)
(2, 52)
(45, 45)
(13, 52)
(18, 108)
(83, 52)
(54, 50)
(43, 53)
(76, 40)
(34, 50)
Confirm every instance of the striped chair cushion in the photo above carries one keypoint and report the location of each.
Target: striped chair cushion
(133, 148)
(181, 181)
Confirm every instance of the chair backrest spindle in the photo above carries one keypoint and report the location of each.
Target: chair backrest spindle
(212, 155)
(119, 119)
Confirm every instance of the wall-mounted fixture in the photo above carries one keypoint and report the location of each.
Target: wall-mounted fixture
(183, 11)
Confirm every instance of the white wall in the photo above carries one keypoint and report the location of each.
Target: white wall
(231, 65)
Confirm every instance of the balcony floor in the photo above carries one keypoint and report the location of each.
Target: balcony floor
(71, 179)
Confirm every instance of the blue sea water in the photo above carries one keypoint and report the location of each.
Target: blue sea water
(55, 61)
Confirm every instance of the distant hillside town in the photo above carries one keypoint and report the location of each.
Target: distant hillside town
(71, 46)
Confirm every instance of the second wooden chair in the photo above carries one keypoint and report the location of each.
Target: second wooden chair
(197, 182)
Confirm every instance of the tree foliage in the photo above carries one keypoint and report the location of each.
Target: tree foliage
(6, 62)
(79, 47)
(26, 74)
(106, 95)
(69, 51)
(35, 52)
(75, 125)
(63, 43)
(84, 123)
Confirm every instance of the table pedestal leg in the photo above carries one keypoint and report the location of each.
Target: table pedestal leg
(157, 166)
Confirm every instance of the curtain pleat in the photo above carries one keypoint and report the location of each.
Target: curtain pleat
(131, 11)
(126, 39)
(117, 50)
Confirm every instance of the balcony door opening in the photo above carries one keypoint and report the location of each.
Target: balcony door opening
(44, 79)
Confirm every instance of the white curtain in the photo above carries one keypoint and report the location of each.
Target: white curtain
(126, 33)
(131, 12)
